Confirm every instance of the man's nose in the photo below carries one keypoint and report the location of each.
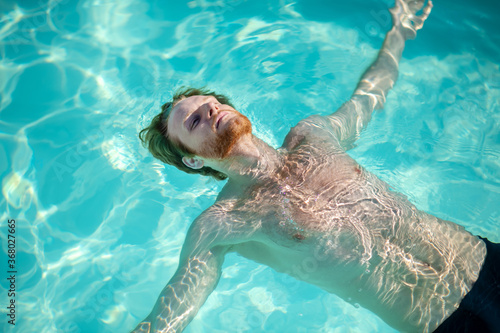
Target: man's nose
(212, 109)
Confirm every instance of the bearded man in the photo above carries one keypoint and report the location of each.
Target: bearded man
(309, 204)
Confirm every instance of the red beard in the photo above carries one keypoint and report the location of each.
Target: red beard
(238, 126)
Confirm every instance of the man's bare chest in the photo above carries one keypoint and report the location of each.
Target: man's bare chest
(311, 198)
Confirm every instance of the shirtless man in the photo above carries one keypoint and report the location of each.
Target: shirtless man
(309, 210)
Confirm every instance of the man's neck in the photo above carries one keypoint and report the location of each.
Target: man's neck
(249, 161)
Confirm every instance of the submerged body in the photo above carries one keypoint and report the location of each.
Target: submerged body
(310, 211)
(323, 219)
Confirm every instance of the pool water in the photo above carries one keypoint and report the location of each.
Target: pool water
(100, 223)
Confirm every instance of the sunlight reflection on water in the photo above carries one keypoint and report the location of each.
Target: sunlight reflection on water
(100, 223)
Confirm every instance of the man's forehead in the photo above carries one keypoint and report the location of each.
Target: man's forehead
(186, 104)
(180, 106)
(187, 101)
(164, 109)
(179, 110)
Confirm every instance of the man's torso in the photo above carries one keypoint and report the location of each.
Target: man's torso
(323, 219)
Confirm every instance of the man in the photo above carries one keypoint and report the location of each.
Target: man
(310, 211)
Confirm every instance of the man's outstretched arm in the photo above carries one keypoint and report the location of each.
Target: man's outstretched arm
(196, 277)
(376, 82)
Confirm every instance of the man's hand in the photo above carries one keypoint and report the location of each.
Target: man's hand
(404, 16)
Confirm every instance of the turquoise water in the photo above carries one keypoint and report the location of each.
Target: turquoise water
(100, 223)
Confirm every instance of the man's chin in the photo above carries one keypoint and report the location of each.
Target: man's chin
(227, 139)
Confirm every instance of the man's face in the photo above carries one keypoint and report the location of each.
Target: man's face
(206, 127)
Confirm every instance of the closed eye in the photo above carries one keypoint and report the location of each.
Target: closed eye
(195, 122)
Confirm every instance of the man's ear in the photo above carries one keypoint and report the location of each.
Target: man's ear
(193, 162)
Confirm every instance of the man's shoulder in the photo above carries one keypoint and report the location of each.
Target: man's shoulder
(312, 129)
(313, 122)
(220, 224)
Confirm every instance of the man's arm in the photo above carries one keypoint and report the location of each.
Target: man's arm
(196, 277)
(371, 91)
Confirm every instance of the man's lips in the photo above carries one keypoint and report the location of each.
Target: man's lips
(219, 118)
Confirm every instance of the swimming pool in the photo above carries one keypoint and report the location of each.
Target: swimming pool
(99, 223)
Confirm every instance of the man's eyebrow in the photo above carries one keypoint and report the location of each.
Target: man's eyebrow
(190, 113)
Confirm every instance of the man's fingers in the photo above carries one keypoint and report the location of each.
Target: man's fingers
(427, 10)
(415, 6)
(404, 16)
(421, 19)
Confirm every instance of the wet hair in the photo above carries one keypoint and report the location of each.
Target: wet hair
(155, 137)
